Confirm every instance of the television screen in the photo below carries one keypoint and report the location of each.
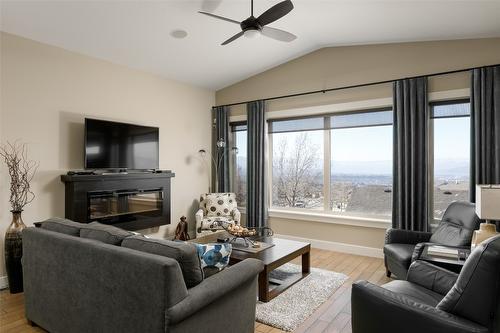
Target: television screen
(112, 145)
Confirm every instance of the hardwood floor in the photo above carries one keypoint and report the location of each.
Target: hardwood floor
(334, 316)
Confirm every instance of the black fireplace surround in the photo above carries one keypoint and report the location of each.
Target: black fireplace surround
(131, 201)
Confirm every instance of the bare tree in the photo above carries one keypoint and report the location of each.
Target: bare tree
(21, 172)
(340, 195)
(241, 186)
(295, 171)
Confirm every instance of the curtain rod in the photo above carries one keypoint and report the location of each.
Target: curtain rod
(322, 91)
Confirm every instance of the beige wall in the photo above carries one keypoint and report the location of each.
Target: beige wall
(4, 213)
(343, 66)
(46, 93)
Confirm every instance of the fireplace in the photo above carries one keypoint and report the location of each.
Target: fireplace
(129, 201)
(125, 205)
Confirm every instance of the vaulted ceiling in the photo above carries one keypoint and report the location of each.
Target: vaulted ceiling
(138, 34)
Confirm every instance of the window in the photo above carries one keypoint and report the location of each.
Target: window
(297, 170)
(239, 177)
(361, 165)
(339, 163)
(451, 154)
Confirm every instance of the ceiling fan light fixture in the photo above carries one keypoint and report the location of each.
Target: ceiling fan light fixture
(251, 33)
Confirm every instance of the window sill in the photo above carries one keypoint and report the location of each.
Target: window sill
(331, 218)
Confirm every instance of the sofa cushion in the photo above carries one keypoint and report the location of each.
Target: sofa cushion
(63, 226)
(414, 291)
(104, 233)
(214, 257)
(451, 235)
(220, 204)
(185, 254)
(401, 252)
(475, 294)
(457, 226)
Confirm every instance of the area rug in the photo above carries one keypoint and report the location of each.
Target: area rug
(290, 309)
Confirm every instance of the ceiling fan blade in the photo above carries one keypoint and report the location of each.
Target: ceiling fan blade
(275, 12)
(210, 5)
(238, 35)
(278, 34)
(220, 17)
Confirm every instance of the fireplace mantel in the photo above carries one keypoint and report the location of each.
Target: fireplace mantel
(130, 201)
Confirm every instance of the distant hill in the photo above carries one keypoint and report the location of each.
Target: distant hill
(445, 167)
(362, 167)
(451, 167)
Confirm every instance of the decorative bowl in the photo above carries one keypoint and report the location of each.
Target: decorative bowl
(239, 231)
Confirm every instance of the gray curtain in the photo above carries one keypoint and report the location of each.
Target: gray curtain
(256, 165)
(222, 154)
(410, 208)
(485, 128)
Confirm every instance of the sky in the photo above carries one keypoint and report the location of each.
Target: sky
(452, 138)
(374, 144)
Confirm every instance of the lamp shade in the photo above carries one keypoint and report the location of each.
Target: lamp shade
(488, 202)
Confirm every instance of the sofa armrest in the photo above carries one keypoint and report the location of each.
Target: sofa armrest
(378, 310)
(401, 236)
(431, 277)
(199, 218)
(235, 213)
(418, 250)
(215, 287)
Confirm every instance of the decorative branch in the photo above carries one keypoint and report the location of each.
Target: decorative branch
(21, 172)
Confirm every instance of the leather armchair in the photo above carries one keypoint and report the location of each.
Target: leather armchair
(402, 247)
(216, 208)
(434, 300)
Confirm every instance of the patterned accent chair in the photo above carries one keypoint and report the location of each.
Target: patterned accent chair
(216, 208)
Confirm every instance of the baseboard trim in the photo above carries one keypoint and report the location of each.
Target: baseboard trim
(4, 283)
(338, 247)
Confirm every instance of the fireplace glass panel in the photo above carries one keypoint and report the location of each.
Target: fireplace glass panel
(124, 205)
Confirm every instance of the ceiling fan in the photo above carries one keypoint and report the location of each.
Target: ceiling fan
(253, 26)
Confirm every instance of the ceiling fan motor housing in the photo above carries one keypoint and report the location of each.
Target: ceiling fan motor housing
(250, 23)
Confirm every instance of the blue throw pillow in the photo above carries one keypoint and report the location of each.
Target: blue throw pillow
(214, 257)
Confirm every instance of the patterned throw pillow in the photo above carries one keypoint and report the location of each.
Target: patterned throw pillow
(214, 257)
(219, 204)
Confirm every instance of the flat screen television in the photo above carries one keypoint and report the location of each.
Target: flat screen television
(113, 145)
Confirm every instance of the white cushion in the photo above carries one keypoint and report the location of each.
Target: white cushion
(219, 204)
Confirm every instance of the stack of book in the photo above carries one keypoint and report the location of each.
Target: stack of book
(443, 252)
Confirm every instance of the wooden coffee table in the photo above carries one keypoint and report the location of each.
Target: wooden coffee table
(283, 251)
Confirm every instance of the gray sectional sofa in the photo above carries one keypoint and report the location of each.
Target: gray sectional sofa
(85, 278)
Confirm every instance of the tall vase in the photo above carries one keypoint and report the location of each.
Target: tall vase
(14, 252)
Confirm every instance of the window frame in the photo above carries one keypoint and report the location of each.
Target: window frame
(433, 222)
(233, 157)
(327, 144)
(343, 107)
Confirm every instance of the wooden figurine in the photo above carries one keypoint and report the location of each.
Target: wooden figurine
(181, 232)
